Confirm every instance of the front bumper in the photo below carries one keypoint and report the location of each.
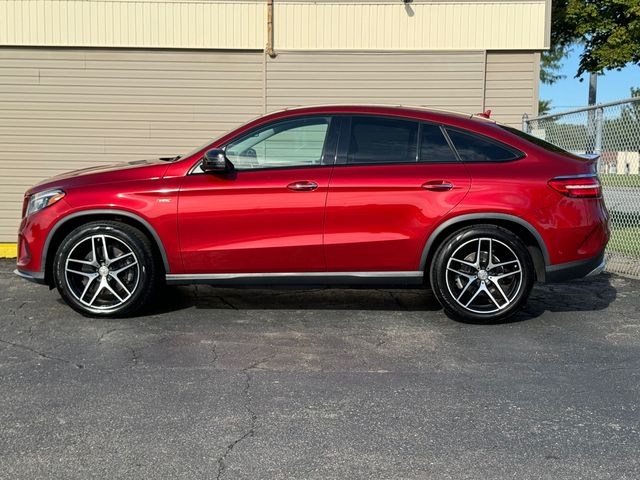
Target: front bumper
(578, 269)
(36, 277)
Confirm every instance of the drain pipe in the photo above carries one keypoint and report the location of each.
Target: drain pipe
(269, 50)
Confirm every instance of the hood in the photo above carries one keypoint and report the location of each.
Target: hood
(118, 172)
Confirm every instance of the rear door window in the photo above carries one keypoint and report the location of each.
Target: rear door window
(475, 148)
(434, 147)
(382, 140)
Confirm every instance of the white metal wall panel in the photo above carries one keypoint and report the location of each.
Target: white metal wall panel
(451, 80)
(63, 109)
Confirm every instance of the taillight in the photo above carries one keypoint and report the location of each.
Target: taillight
(25, 202)
(587, 186)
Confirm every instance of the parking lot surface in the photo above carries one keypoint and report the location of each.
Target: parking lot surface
(321, 384)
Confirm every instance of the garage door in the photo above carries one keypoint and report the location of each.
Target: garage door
(63, 109)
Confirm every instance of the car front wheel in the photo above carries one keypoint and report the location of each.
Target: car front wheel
(482, 274)
(106, 268)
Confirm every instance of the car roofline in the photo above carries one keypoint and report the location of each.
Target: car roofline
(399, 107)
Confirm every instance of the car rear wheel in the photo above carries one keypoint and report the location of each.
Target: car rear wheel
(106, 268)
(482, 274)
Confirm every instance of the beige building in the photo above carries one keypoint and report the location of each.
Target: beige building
(87, 82)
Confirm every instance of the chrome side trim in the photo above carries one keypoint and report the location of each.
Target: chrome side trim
(408, 277)
(598, 270)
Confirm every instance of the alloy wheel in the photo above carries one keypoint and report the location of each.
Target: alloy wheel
(484, 275)
(102, 272)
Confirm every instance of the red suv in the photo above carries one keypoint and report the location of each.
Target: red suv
(332, 195)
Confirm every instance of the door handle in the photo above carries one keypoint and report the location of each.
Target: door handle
(303, 186)
(437, 185)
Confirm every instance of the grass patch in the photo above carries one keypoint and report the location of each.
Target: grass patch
(625, 240)
(612, 180)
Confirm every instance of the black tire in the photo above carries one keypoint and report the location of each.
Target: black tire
(479, 294)
(81, 266)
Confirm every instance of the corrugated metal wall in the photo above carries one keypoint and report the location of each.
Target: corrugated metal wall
(439, 25)
(512, 85)
(67, 109)
(299, 25)
(452, 80)
(239, 24)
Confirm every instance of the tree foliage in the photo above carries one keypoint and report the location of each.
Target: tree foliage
(544, 107)
(550, 63)
(609, 31)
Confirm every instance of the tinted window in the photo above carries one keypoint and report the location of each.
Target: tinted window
(474, 148)
(289, 143)
(539, 142)
(433, 146)
(382, 140)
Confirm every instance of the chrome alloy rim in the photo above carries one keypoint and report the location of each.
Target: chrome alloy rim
(102, 272)
(484, 275)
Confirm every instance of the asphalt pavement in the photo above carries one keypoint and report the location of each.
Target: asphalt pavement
(321, 384)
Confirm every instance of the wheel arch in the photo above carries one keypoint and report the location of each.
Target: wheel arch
(71, 221)
(516, 225)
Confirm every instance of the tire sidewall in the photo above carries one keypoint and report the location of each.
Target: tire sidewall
(124, 233)
(439, 271)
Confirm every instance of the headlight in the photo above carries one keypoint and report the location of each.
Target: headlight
(45, 199)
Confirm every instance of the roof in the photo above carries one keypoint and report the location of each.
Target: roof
(416, 111)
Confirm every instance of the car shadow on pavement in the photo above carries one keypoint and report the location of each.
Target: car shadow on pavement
(591, 294)
(584, 295)
(320, 298)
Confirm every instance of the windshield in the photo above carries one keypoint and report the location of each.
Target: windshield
(539, 142)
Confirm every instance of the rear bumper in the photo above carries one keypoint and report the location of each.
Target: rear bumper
(36, 277)
(579, 269)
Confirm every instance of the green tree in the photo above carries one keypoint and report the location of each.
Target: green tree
(609, 31)
(544, 107)
(550, 63)
(562, 36)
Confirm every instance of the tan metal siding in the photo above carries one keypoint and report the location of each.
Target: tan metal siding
(234, 24)
(298, 25)
(452, 80)
(68, 109)
(512, 85)
(417, 26)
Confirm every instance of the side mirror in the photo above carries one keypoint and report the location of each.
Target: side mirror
(216, 161)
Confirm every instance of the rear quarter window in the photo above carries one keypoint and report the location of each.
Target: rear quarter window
(550, 147)
(473, 148)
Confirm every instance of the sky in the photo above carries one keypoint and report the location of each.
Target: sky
(571, 93)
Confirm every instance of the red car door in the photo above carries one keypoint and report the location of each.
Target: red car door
(393, 180)
(266, 215)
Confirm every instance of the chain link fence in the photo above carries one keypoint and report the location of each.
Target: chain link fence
(611, 130)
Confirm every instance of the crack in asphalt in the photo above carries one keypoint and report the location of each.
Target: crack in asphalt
(134, 357)
(396, 299)
(42, 354)
(246, 393)
(226, 302)
(214, 352)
